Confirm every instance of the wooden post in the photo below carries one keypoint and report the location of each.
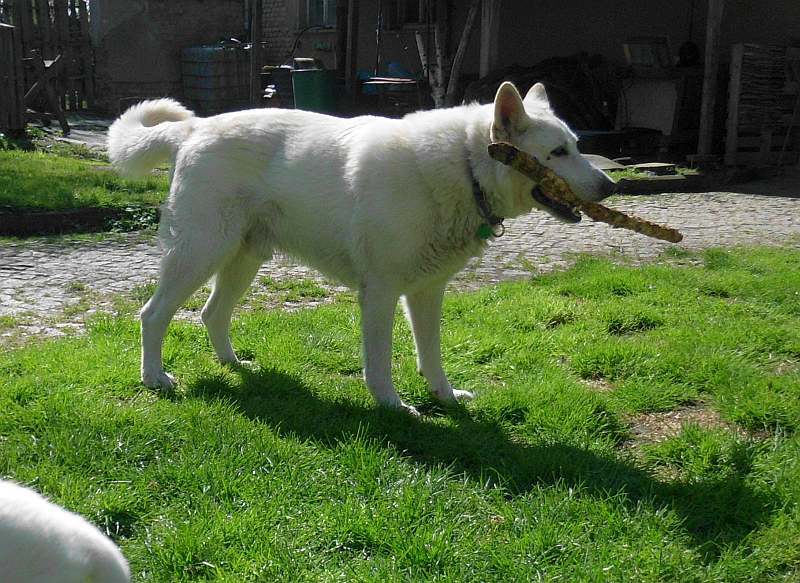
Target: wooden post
(490, 32)
(86, 55)
(734, 90)
(441, 43)
(455, 71)
(23, 16)
(351, 80)
(12, 109)
(711, 67)
(341, 39)
(45, 25)
(256, 33)
(61, 46)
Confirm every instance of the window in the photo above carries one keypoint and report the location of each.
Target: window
(319, 13)
(408, 13)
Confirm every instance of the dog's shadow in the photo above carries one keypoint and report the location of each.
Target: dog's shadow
(715, 513)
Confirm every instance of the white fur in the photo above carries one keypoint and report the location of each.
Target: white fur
(382, 205)
(44, 543)
(136, 145)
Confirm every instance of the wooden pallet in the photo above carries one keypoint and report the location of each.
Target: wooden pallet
(759, 126)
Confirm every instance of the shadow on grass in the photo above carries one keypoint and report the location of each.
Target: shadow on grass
(715, 513)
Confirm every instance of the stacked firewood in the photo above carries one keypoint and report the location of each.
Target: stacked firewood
(763, 79)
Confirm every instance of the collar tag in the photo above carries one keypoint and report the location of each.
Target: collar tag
(493, 226)
(485, 231)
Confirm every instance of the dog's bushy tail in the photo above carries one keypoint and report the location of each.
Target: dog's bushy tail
(148, 134)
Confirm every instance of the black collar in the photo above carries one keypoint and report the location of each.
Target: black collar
(493, 225)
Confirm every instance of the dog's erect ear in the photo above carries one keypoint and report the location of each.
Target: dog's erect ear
(537, 94)
(509, 112)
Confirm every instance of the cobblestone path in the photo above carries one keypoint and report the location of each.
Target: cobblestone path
(41, 278)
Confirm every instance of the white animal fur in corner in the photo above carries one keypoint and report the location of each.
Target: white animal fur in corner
(41, 542)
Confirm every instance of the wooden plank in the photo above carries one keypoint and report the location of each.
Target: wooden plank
(256, 33)
(455, 70)
(61, 27)
(44, 28)
(46, 73)
(19, 80)
(713, 26)
(87, 64)
(62, 47)
(490, 33)
(734, 89)
(6, 60)
(12, 110)
(23, 14)
(351, 81)
(76, 68)
(341, 38)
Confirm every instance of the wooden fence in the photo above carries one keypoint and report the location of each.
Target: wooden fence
(12, 109)
(57, 27)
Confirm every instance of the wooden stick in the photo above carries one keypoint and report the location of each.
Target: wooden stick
(455, 70)
(556, 188)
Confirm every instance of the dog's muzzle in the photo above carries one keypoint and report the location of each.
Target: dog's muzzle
(558, 209)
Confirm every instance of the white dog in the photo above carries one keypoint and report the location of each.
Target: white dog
(43, 543)
(392, 208)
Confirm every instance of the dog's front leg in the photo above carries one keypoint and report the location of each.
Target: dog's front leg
(424, 313)
(377, 318)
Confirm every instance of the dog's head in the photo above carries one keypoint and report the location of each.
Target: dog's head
(531, 126)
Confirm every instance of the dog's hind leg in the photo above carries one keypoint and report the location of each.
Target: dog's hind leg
(188, 264)
(377, 315)
(230, 284)
(424, 313)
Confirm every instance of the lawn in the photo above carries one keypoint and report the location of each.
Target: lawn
(69, 178)
(290, 473)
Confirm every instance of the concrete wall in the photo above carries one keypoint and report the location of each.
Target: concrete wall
(138, 43)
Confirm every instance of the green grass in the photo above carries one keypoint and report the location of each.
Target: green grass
(294, 290)
(69, 178)
(636, 174)
(290, 473)
(7, 321)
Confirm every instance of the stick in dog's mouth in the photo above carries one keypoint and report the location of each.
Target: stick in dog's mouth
(565, 212)
(561, 199)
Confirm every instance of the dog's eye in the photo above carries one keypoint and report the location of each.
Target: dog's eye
(559, 152)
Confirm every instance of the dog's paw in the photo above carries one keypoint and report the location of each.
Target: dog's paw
(248, 365)
(161, 380)
(452, 397)
(463, 396)
(400, 407)
(409, 410)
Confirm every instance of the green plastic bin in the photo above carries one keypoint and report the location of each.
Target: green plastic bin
(314, 90)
